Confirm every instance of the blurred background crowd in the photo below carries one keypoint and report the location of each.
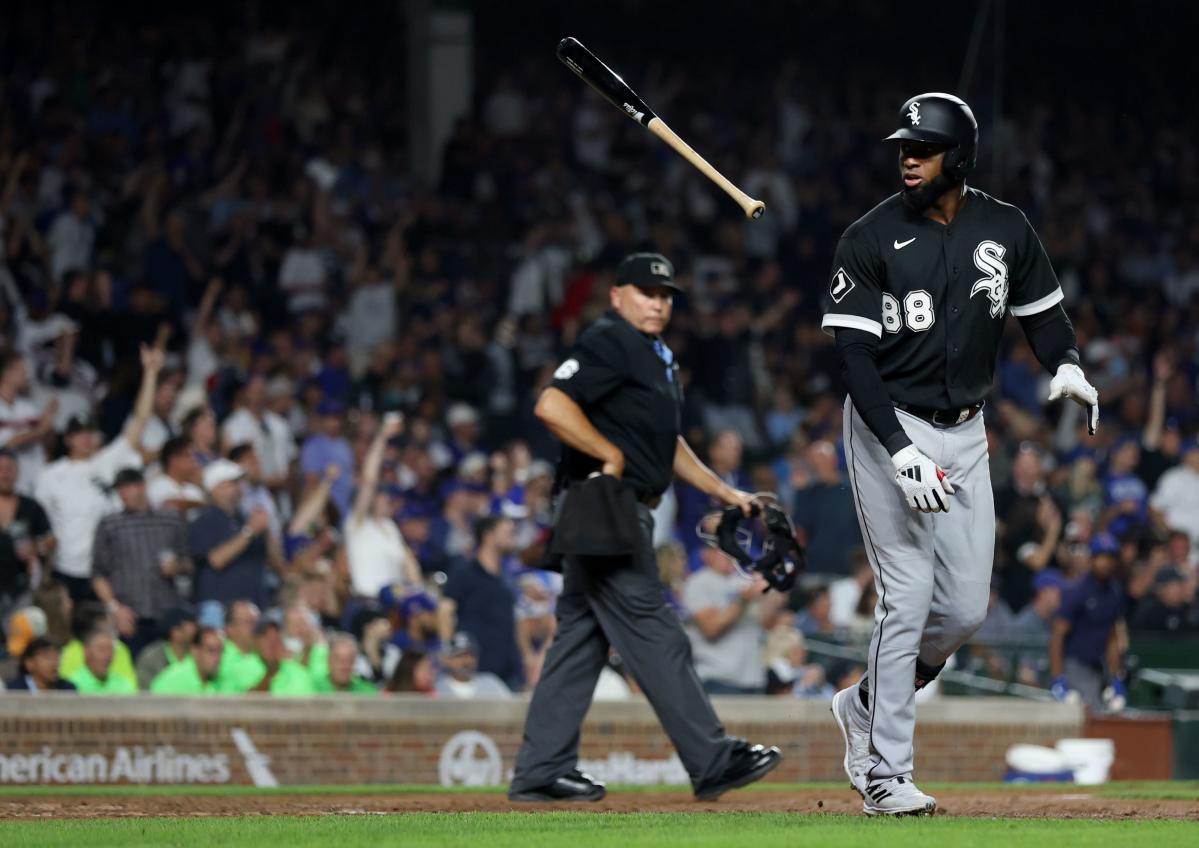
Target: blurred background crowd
(266, 388)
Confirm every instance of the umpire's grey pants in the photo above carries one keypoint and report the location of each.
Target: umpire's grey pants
(932, 572)
(617, 601)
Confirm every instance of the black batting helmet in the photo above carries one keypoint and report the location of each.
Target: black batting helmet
(939, 118)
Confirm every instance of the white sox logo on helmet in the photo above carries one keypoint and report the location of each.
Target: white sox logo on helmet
(988, 258)
(914, 113)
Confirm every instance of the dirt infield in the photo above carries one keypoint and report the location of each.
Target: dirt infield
(1068, 803)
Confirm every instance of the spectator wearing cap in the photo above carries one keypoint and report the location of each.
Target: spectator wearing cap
(95, 676)
(176, 486)
(537, 601)
(39, 669)
(375, 549)
(271, 435)
(240, 623)
(1176, 499)
(418, 625)
(340, 677)
(136, 557)
(24, 424)
(198, 672)
(327, 445)
(1086, 647)
(178, 629)
(486, 603)
(1035, 621)
(1172, 608)
(460, 676)
(26, 538)
(270, 668)
(22, 627)
(462, 421)
(75, 490)
(230, 554)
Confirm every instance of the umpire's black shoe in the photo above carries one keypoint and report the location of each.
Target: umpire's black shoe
(574, 786)
(747, 764)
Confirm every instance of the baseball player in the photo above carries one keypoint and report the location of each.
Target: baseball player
(920, 289)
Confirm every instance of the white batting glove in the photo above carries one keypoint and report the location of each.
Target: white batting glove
(923, 482)
(1069, 381)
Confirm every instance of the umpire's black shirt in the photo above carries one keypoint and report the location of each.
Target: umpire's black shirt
(630, 395)
(937, 296)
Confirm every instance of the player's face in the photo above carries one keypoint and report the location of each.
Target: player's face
(919, 163)
(648, 310)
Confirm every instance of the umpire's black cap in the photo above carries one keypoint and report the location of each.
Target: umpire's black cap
(646, 271)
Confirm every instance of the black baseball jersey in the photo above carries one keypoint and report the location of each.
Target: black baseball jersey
(633, 398)
(937, 296)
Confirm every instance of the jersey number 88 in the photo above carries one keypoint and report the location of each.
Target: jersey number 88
(917, 312)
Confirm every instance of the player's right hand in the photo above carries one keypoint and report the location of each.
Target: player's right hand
(922, 481)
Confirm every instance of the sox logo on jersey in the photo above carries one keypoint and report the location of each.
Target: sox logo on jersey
(988, 258)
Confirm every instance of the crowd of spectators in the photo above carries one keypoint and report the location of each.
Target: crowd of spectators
(265, 393)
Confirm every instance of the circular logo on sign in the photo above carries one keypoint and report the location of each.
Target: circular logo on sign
(470, 758)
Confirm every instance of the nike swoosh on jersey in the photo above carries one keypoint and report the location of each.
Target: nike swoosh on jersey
(900, 245)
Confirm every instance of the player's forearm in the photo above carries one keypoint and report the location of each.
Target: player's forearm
(570, 425)
(871, 399)
(691, 471)
(1051, 337)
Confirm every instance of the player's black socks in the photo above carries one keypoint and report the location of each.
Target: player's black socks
(864, 692)
(926, 674)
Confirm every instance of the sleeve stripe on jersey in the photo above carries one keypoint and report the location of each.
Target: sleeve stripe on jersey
(853, 322)
(1051, 299)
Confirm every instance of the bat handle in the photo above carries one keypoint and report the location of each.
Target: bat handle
(752, 208)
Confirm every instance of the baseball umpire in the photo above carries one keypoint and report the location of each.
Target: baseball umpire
(920, 289)
(616, 405)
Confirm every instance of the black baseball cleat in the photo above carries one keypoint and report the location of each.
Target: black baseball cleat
(747, 764)
(572, 786)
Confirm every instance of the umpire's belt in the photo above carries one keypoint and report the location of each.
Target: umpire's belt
(942, 418)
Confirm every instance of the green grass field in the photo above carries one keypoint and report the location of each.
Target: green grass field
(594, 829)
(626, 830)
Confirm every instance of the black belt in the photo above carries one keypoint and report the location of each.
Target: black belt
(942, 419)
(643, 497)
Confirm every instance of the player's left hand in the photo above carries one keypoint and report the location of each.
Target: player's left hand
(1069, 381)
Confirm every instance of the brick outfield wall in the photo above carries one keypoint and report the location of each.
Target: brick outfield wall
(344, 740)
